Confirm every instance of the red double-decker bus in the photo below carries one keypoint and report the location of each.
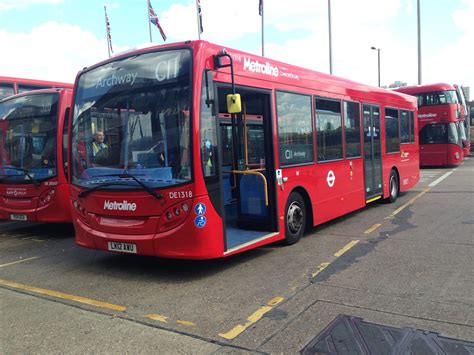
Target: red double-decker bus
(11, 86)
(33, 153)
(464, 125)
(189, 150)
(439, 114)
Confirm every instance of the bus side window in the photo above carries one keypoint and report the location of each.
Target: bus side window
(208, 128)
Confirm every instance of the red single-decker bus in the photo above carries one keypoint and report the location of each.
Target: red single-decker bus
(188, 150)
(33, 152)
(439, 113)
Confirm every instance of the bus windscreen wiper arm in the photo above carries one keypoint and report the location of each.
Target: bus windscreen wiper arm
(97, 187)
(147, 188)
(24, 171)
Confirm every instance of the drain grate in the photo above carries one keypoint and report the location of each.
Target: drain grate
(351, 335)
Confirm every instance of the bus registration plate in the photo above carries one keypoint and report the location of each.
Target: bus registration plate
(123, 247)
(18, 217)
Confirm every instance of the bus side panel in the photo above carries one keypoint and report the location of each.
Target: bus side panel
(409, 167)
(340, 189)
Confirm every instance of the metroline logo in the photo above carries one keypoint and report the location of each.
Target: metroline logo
(257, 67)
(119, 206)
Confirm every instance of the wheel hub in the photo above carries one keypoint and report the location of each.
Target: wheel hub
(295, 217)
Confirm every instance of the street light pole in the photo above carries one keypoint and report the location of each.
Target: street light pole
(378, 59)
(419, 41)
(330, 37)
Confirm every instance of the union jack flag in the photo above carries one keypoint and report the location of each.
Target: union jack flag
(198, 4)
(154, 20)
(260, 7)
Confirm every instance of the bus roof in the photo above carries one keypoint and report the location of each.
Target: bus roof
(9, 79)
(421, 89)
(257, 67)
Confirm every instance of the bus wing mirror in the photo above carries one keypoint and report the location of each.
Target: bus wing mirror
(234, 104)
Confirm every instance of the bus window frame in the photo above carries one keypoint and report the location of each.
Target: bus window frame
(277, 131)
(342, 127)
(385, 129)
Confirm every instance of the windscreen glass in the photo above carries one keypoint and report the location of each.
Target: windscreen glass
(28, 138)
(132, 116)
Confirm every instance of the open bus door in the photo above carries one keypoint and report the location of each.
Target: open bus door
(247, 169)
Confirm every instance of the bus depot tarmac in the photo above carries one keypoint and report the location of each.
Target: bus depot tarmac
(404, 265)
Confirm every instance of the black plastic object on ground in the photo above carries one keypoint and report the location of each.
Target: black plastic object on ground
(351, 335)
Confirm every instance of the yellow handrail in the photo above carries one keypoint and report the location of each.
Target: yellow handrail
(253, 172)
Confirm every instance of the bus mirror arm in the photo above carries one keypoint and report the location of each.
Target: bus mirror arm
(233, 100)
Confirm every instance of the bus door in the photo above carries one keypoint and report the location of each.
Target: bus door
(372, 152)
(247, 169)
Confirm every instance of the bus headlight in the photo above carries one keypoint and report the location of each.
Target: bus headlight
(46, 197)
(456, 155)
(174, 216)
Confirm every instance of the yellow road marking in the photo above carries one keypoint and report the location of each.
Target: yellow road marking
(19, 261)
(252, 319)
(401, 208)
(346, 248)
(186, 323)
(320, 268)
(371, 229)
(62, 295)
(373, 199)
(157, 317)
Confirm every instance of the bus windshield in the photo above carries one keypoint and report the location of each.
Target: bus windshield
(28, 138)
(440, 134)
(437, 98)
(132, 116)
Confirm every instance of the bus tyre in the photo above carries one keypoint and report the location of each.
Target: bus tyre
(393, 187)
(295, 218)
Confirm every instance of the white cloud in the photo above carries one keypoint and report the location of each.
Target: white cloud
(221, 21)
(452, 63)
(21, 4)
(51, 51)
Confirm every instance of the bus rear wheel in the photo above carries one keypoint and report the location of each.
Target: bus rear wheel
(393, 187)
(295, 218)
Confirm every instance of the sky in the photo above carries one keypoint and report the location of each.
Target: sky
(54, 39)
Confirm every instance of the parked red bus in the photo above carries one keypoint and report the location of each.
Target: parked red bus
(464, 126)
(33, 153)
(439, 113)
(208, 152)
(12, 86)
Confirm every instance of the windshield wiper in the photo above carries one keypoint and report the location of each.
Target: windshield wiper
(97, 187)
(25, 173)
(125, 175)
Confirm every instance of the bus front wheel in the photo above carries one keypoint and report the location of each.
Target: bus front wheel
(295, 218)
(393, 187)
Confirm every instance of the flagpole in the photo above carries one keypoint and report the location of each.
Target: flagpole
(263, 31)
(106, 30)
(148, 16)
(198, 20)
